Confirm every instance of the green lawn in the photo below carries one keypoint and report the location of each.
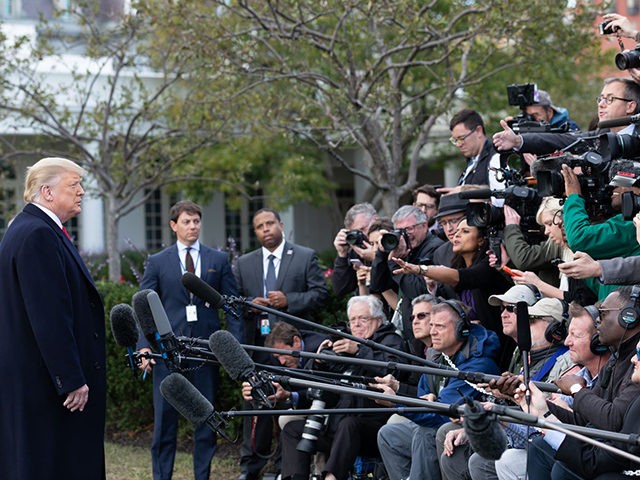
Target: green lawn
(128, 462)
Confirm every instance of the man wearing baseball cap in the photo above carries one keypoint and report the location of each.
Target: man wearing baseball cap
(543, 110)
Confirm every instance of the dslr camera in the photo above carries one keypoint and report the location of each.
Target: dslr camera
(356, 238)
(628, 59)
(390, 240)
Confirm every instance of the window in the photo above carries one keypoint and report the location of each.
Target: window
(153, 221)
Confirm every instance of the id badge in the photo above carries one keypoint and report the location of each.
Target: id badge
(265, 327)
(192, 313)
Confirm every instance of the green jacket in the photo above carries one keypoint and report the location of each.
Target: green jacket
(613, 238)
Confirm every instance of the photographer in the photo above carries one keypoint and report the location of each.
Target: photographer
(619, 97)
(347, 436)
(613, 238)
(542, 110)
(416, 245)
(352, 246)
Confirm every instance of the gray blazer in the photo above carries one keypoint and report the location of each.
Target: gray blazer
(620, 271)
(300, 278)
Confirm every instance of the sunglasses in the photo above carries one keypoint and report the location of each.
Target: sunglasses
(508, 308)
(421, 316)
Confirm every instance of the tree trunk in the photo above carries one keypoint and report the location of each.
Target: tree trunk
(113, 255)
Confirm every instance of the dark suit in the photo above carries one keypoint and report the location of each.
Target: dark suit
(52, 343)
(302, 281)
(479, 175)
(163, 274)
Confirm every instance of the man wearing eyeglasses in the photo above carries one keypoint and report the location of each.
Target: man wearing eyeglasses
(416, 245)
(468, 134)
(619, 97)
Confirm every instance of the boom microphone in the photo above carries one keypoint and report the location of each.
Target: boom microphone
(144, 317)
(191, 404)
(206, 292)
(124, 330)
(240, 367)
(486, 436)
(476, 194)
(620, 121)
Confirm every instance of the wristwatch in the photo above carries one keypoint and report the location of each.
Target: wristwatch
(575, 388)
(423, 270)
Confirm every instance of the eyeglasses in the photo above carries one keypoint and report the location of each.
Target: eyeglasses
(420, 316)
(426, 206)
(603, 311)
(356, 320)
(458, 140)
(411, 228)
(451, 223)
(508, 308)
(610, 99)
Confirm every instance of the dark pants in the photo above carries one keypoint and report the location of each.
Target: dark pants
(542, 465)
(165, 425)
(352, 436)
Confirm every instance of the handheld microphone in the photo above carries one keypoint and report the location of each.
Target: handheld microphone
(524, 342)
(486, 436)
(165, 338)
(240, 367)
(124, 330)
(144, 318)
(206, 292)
(192, 405)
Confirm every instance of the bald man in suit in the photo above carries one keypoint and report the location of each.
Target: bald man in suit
(299, 288)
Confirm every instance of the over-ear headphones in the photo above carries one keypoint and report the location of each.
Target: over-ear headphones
(629, 316)
(556, 330)
(463, 327)
(595, 345)
(534, 289)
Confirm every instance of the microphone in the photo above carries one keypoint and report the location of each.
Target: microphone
(524, 342)
(192, 405)
(620, 121)
(476, 194)
(165, 337)
(240, 367)
(206, 292)
(124, 330)
(144, 318)
(486, 436)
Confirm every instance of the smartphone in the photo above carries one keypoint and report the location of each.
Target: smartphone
(355, 262)
(508, 271)
(556, 261)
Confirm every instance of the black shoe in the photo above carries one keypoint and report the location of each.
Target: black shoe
(248, 476)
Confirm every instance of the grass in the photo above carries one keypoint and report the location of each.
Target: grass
(132, 462)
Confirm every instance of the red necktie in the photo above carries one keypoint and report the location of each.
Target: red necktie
(64, 230)
(188, 261)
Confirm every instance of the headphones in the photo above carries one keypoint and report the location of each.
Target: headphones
(629, 316)
(534, 289)
(556, 330)
(595, 345)
(463, 327)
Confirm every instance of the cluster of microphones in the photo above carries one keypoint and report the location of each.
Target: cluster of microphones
(148, 316)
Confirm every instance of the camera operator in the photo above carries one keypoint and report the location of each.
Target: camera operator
(543, 110)
(416, 245)
(619, 97)
(352, 247)
(409, 448)
(347, 436)
(613, 238)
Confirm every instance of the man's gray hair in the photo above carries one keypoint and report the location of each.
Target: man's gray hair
(426, 298)
(375, 305)
(358, 209)
(407, 211)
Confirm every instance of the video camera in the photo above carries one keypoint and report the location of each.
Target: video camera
(522, 95)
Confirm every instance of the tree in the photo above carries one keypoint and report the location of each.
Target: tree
(126, 108)
(378, 75)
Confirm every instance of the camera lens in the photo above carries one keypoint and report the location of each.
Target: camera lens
(389, 241)
(627, 60)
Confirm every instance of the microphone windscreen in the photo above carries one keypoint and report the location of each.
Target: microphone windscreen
(159, 314)
(123, 325)
(486, 436)
(523, 327)
(202, 289)
(473, 194)
(616, 122)
(144, 317)
(186, 399)
(231, 355)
